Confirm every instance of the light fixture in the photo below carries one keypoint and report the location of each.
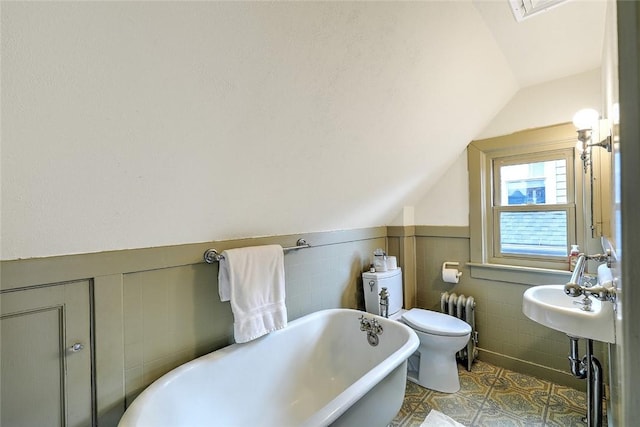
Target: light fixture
(587, 122)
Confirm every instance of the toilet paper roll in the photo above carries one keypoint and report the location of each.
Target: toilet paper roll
(451, 275)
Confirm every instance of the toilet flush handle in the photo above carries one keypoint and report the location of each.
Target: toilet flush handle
(371, 284)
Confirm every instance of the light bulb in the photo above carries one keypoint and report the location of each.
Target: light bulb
(615, 113)
(586, 118)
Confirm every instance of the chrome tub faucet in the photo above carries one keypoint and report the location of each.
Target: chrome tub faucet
(373, 328)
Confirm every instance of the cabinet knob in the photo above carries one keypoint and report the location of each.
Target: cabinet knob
(76, 347)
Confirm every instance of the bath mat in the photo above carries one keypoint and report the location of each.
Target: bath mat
(438, 419)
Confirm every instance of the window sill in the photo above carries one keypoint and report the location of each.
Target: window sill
(517, 274)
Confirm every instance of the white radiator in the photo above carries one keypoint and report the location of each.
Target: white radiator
(463, 308)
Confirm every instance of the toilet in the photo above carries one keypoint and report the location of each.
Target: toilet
(433, 366)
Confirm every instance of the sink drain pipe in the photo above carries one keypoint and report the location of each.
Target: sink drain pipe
(591, 369)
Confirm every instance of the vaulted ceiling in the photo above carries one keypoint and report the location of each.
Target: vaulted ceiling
(556, 43)
(137, 124)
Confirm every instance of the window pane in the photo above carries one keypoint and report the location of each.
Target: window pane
(536, 183)
(534, 233)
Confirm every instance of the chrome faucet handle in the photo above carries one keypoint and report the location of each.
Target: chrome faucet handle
(585, 303)
(364, 323)
(599, 292)
(602, 293)
(573, 290)
(605, 257)
(376, 327)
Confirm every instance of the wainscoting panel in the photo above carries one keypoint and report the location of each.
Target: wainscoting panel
(154, 309)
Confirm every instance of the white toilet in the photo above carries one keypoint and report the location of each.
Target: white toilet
(441, 335)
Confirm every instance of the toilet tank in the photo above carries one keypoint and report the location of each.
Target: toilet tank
(372, 284)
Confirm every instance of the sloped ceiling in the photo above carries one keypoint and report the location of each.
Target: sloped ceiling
(559, 42)
(144, 124)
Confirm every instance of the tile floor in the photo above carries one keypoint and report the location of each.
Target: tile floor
(491, 396)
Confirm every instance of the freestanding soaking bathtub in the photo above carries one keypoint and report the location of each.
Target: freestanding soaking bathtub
(320, 370)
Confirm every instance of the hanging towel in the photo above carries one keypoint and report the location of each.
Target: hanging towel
(252, 279)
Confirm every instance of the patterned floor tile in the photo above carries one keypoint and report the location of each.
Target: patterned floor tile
(490, 396)
(415, 391)
(521, 402)
(480, 368)
(406, 409)
(473, 387)
(567, 418)
(526, 382)
(568, 397)
(423, 409)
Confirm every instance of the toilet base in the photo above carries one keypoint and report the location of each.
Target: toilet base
(436, 371)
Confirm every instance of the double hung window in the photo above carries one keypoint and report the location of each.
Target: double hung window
(523, 198)
(533, 208)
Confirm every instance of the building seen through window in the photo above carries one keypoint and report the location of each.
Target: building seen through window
(540, 232)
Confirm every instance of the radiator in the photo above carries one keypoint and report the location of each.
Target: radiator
(463, 308)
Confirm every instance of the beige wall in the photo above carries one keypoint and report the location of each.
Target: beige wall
(541, 105)
(217, 120)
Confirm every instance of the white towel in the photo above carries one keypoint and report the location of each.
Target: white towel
(438, 419)
(253, 280)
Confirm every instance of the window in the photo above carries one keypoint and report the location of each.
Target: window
(523, 198)
(532, 206)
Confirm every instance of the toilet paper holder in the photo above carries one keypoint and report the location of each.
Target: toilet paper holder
(450, 271)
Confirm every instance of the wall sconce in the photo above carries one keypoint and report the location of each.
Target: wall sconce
(587, 121)
(588, 125)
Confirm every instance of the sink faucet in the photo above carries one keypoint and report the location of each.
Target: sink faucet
(574, 287)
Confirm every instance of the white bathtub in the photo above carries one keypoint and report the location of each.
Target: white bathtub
(318, 371)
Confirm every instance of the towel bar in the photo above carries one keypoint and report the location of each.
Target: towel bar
(212, 255)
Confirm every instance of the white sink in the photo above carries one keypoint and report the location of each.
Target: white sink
(551, 307)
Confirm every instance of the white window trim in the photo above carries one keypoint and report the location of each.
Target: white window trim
(480, 155)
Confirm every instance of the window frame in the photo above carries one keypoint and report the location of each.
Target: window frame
(529, 144)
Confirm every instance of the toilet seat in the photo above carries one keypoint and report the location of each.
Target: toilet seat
(432, 322)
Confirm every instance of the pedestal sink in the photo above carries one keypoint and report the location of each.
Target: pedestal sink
(551, 307)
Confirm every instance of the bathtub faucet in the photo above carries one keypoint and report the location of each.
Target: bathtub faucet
(371, 326)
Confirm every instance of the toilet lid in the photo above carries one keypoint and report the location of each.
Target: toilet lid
(436, 323)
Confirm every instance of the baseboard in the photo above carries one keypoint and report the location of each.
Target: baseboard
(533, 369)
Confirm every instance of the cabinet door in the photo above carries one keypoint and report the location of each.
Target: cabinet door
(45, 380)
